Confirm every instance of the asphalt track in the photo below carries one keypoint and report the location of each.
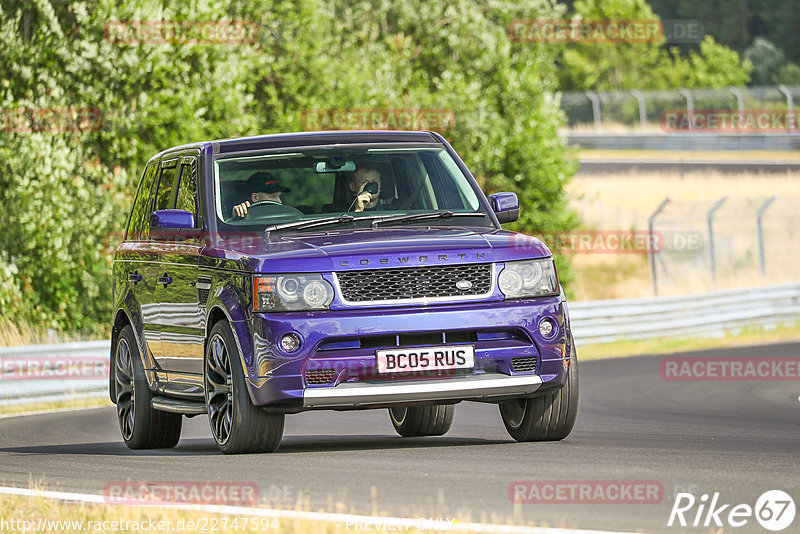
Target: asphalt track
(736, 438)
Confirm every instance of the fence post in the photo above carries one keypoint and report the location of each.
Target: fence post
(762, 262)
(739, 102)
(651, 253)
(642, 107)
(710, 218)
(591, 95)
(789, 107)
(689, 106)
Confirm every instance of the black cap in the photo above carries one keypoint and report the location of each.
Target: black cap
(264, 182)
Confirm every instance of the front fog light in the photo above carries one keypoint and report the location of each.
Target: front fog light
(290, 342)
(546, 328)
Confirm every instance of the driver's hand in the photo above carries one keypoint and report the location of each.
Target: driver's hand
(362, 200)
(241, 209)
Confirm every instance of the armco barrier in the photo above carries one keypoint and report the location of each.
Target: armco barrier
(46, 385)
(602, 321)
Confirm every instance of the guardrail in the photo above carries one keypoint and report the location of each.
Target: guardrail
(685, 142)
(711, 313)
(31, 374)
(45, 373)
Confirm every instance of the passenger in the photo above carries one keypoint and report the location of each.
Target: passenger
(358, 181)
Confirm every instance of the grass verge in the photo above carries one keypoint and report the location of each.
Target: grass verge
(72, 404)
(43, 514)
(744, 337)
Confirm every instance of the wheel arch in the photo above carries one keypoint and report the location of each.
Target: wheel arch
(121, 320)
(218, 313)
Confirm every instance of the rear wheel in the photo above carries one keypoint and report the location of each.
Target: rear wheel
(546, 417)
(142, 427)
(237, 425)
(413, 421)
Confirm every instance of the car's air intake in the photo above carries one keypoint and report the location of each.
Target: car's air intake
(524, 365)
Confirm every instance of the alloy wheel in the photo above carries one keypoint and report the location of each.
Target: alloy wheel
(219, 391)
(126, 393)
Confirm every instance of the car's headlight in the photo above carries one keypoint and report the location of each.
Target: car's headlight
(529, 278)
(291, 292)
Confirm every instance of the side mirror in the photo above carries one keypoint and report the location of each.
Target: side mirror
(505, 206)
(175, 224)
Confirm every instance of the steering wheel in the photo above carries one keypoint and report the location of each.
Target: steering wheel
(283, 209)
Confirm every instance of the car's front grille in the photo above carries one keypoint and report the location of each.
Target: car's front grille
(320, 376)
(524, 365)
(416, 282)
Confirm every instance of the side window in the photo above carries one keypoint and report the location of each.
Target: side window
(187, 190)
(140, 214)
(165, 198)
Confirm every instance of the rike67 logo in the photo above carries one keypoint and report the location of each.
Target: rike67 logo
(774, 510)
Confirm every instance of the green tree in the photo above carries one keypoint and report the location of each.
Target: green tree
(67, 194)
(644, 65)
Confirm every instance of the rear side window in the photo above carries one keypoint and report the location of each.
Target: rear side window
(187, 190)
(140, 215)
(165, 198)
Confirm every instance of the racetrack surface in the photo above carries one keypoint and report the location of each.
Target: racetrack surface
(736, 438)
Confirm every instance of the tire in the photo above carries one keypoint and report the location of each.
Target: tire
(236, 425)
(546, 417)
(414, 421)
(141, 426)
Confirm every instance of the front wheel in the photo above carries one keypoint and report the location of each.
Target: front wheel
(237, 425)
(546, 417)
(414, 421)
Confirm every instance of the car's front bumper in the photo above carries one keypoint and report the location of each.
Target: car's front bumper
(476, 387)
(278, 379)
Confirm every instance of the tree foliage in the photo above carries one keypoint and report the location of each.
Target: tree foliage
(66, 194)
(644, 65)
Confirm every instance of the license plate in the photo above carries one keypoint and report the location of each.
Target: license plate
(402, 360)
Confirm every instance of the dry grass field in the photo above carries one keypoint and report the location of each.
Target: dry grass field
(621, 202)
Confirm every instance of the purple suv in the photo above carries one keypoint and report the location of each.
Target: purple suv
(270, 275)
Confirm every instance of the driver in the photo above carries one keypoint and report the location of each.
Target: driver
(262, 186)
(359, 180)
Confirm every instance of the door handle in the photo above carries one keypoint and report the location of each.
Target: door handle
(166, 280)
(134, 277)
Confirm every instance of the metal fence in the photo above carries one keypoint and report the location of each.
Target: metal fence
(724, 242)
(709, 313)
(642, 109)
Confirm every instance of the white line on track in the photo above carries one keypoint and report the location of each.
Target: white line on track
(392, 523)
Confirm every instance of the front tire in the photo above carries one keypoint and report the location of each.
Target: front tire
(141, 426)
(415, 421)
(237, 426)
(546, 417)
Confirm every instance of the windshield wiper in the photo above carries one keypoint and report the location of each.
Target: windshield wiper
(302, 225)
(444, 214)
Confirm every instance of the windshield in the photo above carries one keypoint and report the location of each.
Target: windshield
(291, 188)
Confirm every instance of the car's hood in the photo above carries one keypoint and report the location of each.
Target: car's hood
(366, 248)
